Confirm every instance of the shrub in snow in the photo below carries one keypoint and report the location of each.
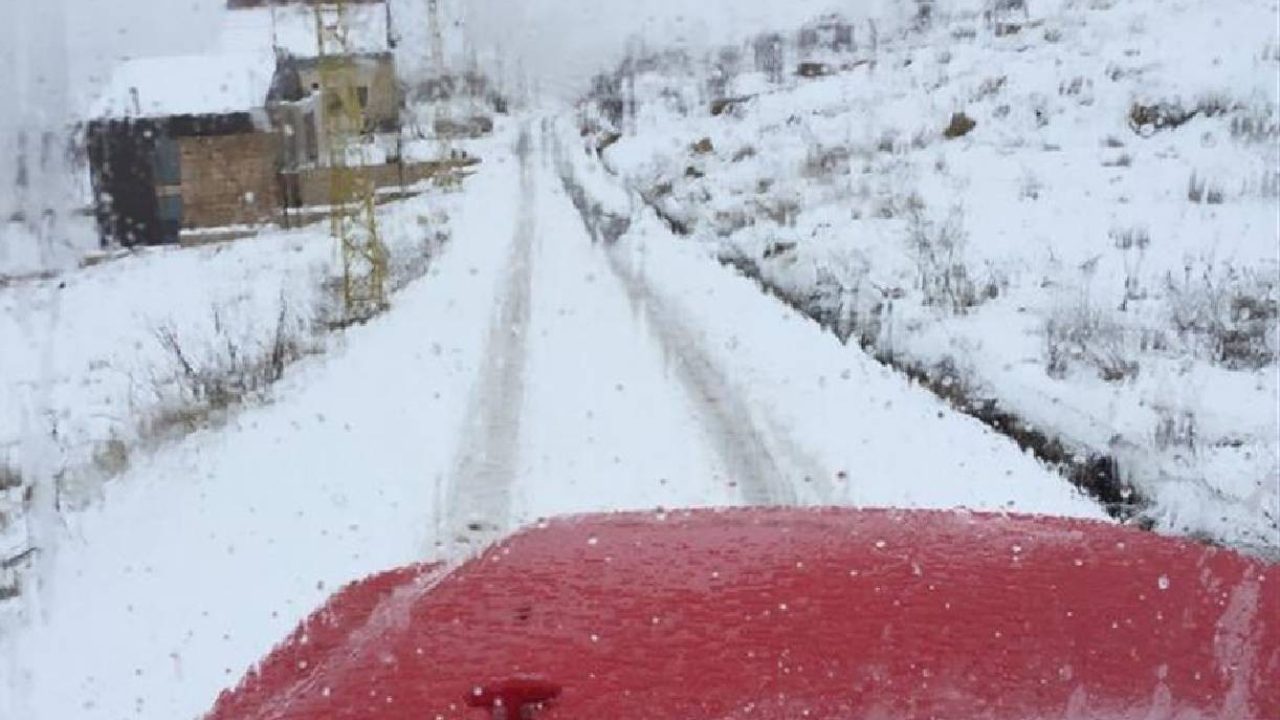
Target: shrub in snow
(1200, 190)
(1255, 125)
(922, 18)
(1029, 186)
(990, 87)
(1225, 313)
(1267, 186)
(1123, 160)
(13, 502)
(1132, 242)
(726, 222)
(10, 478)
(1270, 52)
(224, 371)
(1003, 10)
(781, 208)
(729, 60)
(1078, 334)
(410, 261)
(938, 249)
(953, 381)
(1077, 88)
(606, 96)
(823, 162)
(1214, 103)
(1146, 120)
(1195, 188)
(768, 54)
(674, 101)
(111, 457)
(1175, 428)
(864, 307)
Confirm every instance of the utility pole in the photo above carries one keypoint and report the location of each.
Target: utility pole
(353, 218)
(441, 120)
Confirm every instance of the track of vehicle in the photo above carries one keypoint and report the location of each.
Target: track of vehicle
(486, 465)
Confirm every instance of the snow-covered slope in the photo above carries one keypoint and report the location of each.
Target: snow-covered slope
(102, 364)
(1068, 209)
(205, 552)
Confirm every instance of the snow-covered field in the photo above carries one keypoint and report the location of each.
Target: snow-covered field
(529, 373)
(1069, 210)
(94, 370)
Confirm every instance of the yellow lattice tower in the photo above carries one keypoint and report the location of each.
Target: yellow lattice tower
(444, 177)
(352, 208)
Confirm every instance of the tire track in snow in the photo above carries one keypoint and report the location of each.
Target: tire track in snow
(766, 463)
(478, 506)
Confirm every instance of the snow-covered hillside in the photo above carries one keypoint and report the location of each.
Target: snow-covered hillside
(1064, 208)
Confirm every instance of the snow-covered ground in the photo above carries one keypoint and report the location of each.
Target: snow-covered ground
(107, 365)
(90, 373)
(1114, 286)
(1103, 275)
(529, 373)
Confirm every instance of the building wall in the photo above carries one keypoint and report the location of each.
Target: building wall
(377, 74)
(123, 181)
(230, 179)
(295, 123)
(313, 183)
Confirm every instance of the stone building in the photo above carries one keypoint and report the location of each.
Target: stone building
(181, 143)
(187, 148)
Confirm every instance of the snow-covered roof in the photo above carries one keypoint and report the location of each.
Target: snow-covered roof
(292, 28)
(187, 85)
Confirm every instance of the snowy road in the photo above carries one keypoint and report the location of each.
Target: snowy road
(531, 373)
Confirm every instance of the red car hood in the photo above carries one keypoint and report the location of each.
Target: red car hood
(833, 613)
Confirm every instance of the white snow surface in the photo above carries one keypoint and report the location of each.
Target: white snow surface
(108, 374)
(86, 383)
(529, 373)
(814, 180)
(187, 85)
